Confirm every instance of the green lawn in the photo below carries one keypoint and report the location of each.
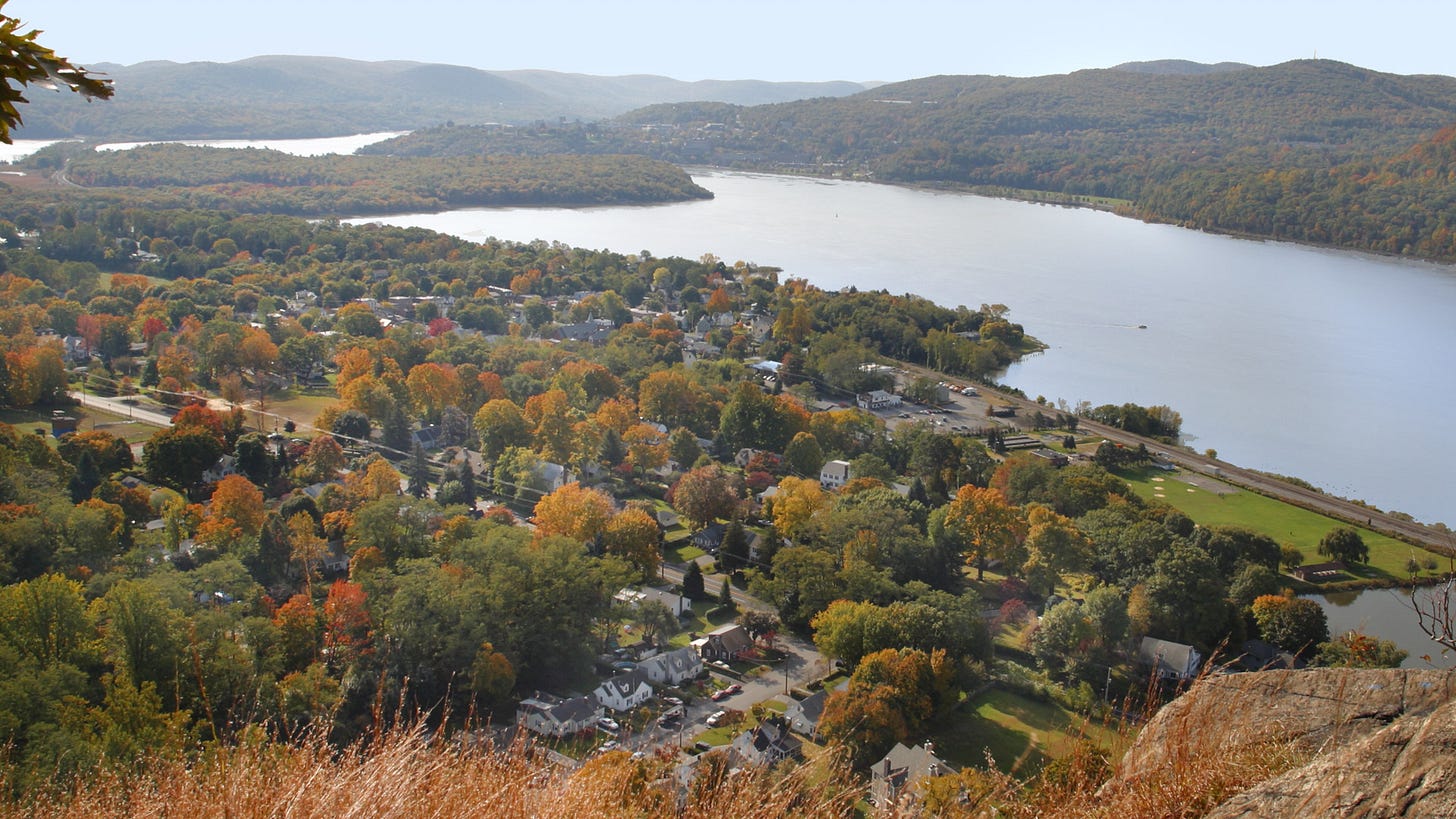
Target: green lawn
(1020, 733)
(1287, 524)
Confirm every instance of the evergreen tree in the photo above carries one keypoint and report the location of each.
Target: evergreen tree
(86, 478)
(693, 582)
(725, 595)
(396, 430)
(733, 554)
(419, 471)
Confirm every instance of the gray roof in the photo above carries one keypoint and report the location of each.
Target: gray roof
(803, 715)
(626, 683)
(1167, 656)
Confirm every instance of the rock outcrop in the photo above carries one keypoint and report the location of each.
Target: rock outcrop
(1361, 742)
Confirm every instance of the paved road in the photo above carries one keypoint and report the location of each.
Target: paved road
(119, 407)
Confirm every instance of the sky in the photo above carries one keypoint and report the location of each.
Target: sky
(782, 40)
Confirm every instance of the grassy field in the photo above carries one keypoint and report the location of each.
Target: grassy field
(302, 407)
(1287, 524)
(1020, 733)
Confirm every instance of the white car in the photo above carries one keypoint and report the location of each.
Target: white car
(715, 718)
(608, 724)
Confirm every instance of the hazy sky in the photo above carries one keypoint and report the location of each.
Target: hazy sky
(757, 39)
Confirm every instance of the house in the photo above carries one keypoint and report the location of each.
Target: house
(710, 537)
(427, 437)
(893, 779)
(803, 715)
(768, 743)
(225, 466)
(724, 643)
(62, 424)
(676, 603)
(673, 668)
(834, 474)
(666, 518)
(877, 399)
(1170, 660)
(624, 691)
(557, 717)
(552, 476)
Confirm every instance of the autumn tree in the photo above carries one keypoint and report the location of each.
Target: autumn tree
(348, 627)
(25, 62)
(989, 527)
(1292, 623)
(573, 512)
(705, 494)
(433, 387)
(634, 535)
(797, 503)
(501, 425)
(892, 695)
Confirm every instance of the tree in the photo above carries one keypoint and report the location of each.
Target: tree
(1063, 636)
(803, 455)
(1054, 546)
(574, 512)
(23, 61)
(1292, 623)
(892, 695)
(501, 425)
(633, 535)
(733, 552)
(1355, 649)
(798, 502)
(351, 425)
(323, 460)
(705, 494)
(725, 595)
(693, 581)
(1344, 544)
(988, 526)
(419, 471)
(177, 456)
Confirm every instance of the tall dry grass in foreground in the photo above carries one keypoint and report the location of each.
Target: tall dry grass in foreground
(406, 773)
(1196, 763)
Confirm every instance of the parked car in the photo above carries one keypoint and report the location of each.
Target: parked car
(673, 701)
(721, 694)
(716, 718)
(733, 689)
(608, 724)
(624, 665)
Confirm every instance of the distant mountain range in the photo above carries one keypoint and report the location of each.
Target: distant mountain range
(285, 96)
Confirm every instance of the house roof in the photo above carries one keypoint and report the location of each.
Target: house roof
(678, 661)
(732, 636)
(903, 765)
(576, 709)
(807, 711)
(1167, 656)
(626, 684)
(770, 740)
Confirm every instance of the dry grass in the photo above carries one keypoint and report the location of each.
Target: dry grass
(409, 773)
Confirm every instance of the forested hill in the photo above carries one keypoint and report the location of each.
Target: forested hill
(290, 96)
(1310, 150)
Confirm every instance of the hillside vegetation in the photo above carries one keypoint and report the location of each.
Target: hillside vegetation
(294, 96)
(1311, 150)
(274, 182)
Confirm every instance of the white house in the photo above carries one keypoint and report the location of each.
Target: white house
(1171, 661)
(768, 743)
(877, 399)
(624, 691)
(673, 668)
(676, 603)
(556, 717)
(834, 474)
